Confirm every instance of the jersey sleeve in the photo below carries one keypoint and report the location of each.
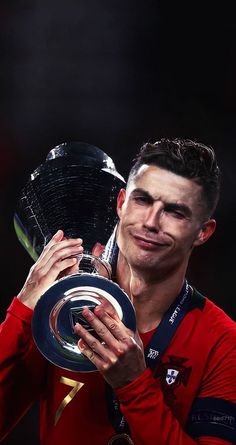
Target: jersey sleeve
(151, 421)
(22, 368)
(214, 410)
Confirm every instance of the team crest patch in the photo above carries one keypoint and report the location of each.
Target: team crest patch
(173, 374)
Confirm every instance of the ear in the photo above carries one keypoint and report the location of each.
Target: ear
(120, 201)
(207, 229)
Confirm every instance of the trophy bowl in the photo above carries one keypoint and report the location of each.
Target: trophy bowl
(75, 189)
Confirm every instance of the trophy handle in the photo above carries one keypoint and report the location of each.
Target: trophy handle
(88, 263)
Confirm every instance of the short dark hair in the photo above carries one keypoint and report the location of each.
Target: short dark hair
(187, 158)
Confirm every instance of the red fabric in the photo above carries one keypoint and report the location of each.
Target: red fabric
(22, 368)
(203, 351)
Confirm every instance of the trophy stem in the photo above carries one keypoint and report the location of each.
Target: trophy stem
(88, 263)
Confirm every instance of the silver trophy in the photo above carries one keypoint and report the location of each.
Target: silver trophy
(75, 190)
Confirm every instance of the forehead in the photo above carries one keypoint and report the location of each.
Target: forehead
(165, 185)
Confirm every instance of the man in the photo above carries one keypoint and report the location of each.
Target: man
(172, 381)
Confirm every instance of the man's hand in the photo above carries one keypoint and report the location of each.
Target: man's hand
(55, 260)
(119, 355)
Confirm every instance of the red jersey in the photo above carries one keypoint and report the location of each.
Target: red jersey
(188, 398)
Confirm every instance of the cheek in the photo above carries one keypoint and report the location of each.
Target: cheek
(186, 240)
(184, 234)
(173, 227)
(119, 234)
(127, 217)
(133, 214)
(123, 232)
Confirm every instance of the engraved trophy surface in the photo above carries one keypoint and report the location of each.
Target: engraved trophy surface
(74, 189)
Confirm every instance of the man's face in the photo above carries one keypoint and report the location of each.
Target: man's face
(161, 220)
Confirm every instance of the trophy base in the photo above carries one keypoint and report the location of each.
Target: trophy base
(60, 308)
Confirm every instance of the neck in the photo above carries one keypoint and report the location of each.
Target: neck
(151, 296)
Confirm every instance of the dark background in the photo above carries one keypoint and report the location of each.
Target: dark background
(116, 74)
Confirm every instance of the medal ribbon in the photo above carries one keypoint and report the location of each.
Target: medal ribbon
(161, 337)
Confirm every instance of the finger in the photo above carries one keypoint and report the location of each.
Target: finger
(106, 306)
(38, 281)
(65, 243)
(113, 322)
(60, 256)
(98, 248)
(93, 349)
(115, 335)
(57, 251)
(74, 269)
(55, 267)
(58, 236)
(60, 269)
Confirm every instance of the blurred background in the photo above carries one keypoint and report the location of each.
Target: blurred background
(116, 74)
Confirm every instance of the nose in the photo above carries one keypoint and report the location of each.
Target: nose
(153, 217)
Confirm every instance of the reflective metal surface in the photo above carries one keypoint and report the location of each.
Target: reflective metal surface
(60, 308)
(74, 189)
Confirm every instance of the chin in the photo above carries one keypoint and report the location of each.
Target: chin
(142, 263)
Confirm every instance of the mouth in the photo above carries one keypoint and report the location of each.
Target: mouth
(147, 242)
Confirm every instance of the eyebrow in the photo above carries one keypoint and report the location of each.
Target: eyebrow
(169, 205)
